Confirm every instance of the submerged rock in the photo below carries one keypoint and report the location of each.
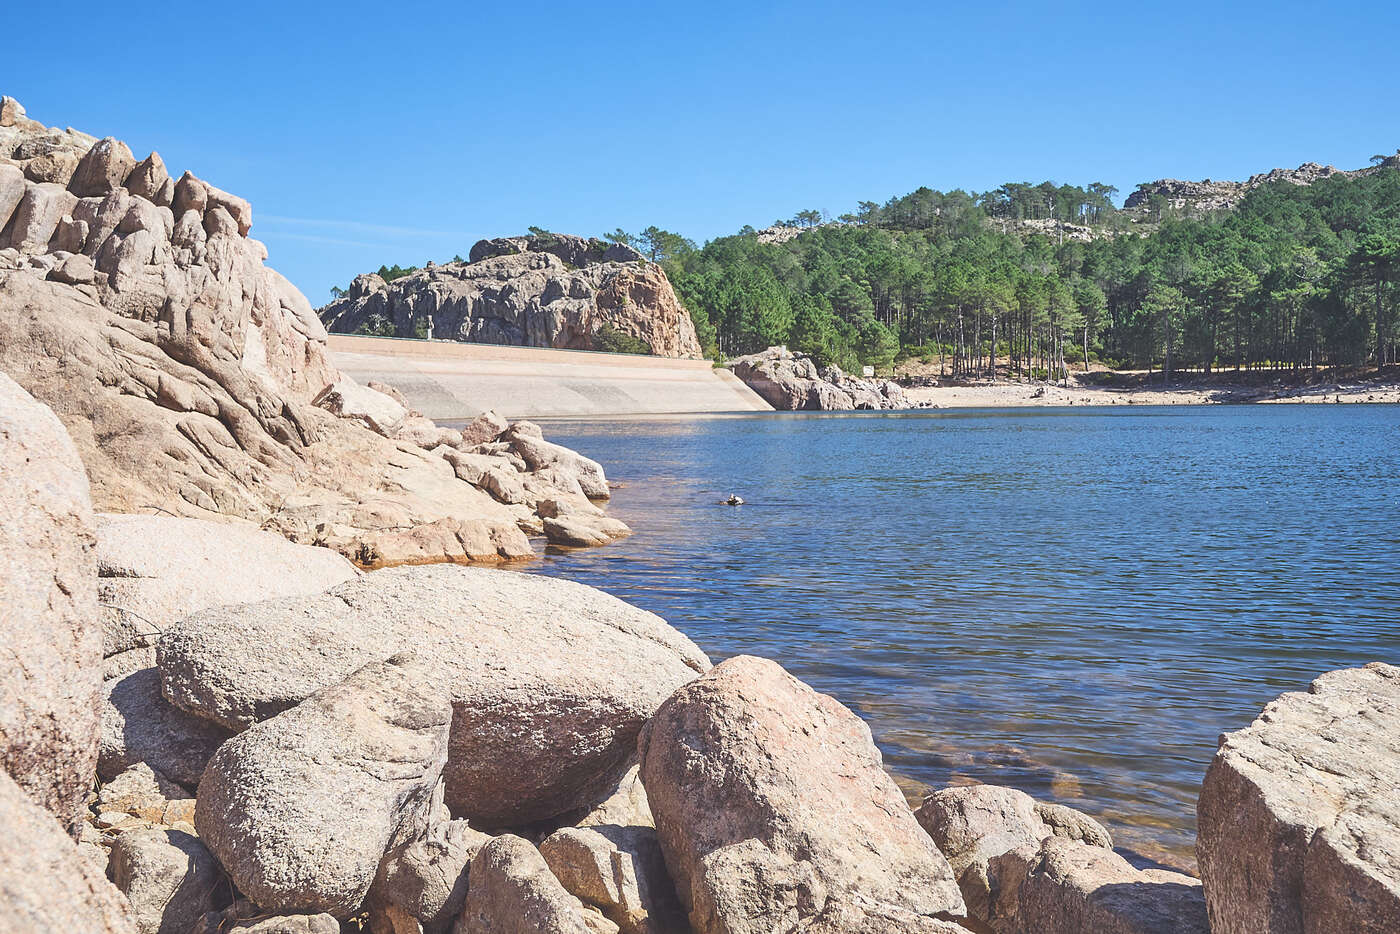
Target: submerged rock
(550, 680)
(774, 812)
(1299, 823)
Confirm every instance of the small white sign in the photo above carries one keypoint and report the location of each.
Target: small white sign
(867, 371)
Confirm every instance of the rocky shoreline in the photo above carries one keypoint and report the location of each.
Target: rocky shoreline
(213, 720)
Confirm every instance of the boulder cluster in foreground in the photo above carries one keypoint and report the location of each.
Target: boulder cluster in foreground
(793, 381)
(195, 380)
(212, 729)
(212, 726)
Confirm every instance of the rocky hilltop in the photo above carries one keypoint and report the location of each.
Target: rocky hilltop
(1209, 195)
(195, 380)
(549, 290)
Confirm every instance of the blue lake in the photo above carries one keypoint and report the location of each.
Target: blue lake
(1073, 602)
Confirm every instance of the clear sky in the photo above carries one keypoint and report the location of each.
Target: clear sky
(402, 132)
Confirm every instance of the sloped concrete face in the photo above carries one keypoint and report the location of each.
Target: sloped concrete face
(447, 380)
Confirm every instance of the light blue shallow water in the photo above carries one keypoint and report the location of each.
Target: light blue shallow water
(1072, 602)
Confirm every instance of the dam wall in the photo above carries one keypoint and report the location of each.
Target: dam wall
(449, 380)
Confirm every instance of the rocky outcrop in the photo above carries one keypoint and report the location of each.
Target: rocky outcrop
(774, 812)
(45, 884)
(51, 664)
(137, 306)
(1070, 887)
(243, 917)
(972, 825)
(302, 808)
(550, 680)
(1209, 195)
(792, 381)
(539, 291)
(155, 570)
(1298, 824)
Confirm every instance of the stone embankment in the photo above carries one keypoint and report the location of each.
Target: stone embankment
(793, 381)
(195, 380)
(540, 291)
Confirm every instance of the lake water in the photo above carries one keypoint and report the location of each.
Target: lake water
(1072, 602)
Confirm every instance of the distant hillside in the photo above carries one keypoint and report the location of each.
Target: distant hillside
(1295, 269)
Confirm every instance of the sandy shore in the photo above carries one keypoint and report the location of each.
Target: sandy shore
(1004, 394)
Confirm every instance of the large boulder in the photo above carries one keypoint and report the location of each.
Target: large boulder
(302, 808)
(1071, 887)
(45, 884)
(169, 879)
(51, 668)
(1298, 818)
(140, 725)
(550, 680)
(973, 824)
(156, 570)
(513, 892)
(187, 370)
(774, 812)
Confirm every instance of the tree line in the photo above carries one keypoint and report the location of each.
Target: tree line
(1296, 278)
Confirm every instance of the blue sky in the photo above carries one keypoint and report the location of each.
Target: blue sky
(396, 133)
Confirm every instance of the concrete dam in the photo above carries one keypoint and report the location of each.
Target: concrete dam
(449, 380)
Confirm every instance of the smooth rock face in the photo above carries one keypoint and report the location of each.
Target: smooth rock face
(973, 824)
(550, 680)
(421, 887)
(156, 570)
(792, 381)
(302, 808)
(51, 666)
(1070, 887)
(140, 725)
(45, 884)
(559, 291)
(1298, 812)
(169, 879)
(373, 409)
(513, 892)
(773, 810)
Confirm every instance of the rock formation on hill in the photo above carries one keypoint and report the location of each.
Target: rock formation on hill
(195, 380)
(540, 291)
(793, 381)
(1210, 195)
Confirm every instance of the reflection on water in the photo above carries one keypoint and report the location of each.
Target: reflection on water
(1075, 603)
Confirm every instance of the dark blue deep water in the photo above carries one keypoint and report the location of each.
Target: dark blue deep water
(1073, 602)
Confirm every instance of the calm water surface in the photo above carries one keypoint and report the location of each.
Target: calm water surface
(1072, 602)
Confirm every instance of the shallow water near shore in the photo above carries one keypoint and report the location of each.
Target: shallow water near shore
(1072, 602)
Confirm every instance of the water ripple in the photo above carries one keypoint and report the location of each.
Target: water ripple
(1076, 603)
